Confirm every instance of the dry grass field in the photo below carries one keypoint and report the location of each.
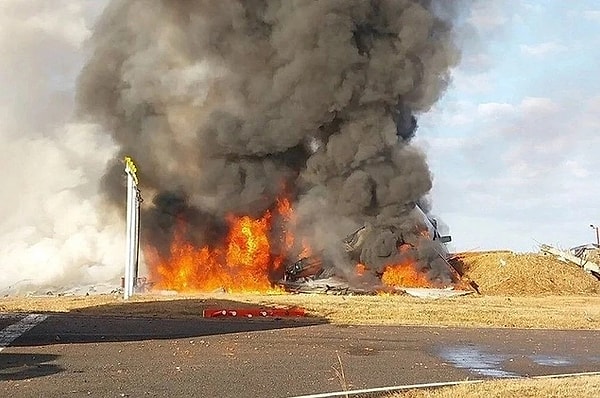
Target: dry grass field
(580, 387)
(550, 312)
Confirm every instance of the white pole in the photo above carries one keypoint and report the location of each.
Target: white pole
(132, 230)
(133, 252)
(136, 246)
(129, 246)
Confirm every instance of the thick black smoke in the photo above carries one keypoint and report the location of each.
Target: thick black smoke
(223, 103)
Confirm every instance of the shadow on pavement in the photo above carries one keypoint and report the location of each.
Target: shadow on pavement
(27, 366)
(153, 320)
(176, 308)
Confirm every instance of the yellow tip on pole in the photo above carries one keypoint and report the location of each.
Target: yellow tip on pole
(131, 169)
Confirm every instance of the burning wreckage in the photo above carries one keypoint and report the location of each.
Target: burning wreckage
(261, 255)
(268, 130)
(310, 274)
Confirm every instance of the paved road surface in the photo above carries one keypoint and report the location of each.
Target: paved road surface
(104, 356)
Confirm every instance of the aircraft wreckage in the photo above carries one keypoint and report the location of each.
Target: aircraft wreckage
(421, 253)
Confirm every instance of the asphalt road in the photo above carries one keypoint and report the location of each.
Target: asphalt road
(107, 356)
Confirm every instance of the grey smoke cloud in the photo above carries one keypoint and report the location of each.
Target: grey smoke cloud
(222, 103)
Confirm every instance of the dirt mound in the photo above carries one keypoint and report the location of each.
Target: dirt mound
(508, 273)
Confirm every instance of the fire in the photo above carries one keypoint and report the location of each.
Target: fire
(242, 265)
(288, 238)
(425, 233)
(306, 249)
(360, 269)
(250, 257)
(249, 248)
(405, 273)
(284, 208)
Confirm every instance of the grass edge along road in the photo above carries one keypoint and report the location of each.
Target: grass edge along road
(584, 385)
(543, 312)
(587, 386)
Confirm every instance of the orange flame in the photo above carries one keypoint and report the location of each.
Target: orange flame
(405, 273)
(284, 208)
(360, 269)
(243, 265)
(306, 249)
(247, 261)
(425, 233)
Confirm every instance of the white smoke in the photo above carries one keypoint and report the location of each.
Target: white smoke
(54, 231)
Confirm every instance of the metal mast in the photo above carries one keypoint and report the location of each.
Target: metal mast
(133, 232)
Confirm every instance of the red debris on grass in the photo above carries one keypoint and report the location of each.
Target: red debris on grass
(253, 312)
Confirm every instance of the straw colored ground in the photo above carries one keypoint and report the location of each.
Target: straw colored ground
(508, 273)
(517, 291)
(581, 387)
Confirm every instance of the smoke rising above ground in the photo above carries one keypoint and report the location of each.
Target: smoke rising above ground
(54, 231)
(226, 104)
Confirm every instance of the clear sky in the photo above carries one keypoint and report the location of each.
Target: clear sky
(513, 145)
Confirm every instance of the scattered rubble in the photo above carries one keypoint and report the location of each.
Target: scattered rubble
(580, 255)
(336, 286)
(61, 291)
(433, 293)
(331, 285)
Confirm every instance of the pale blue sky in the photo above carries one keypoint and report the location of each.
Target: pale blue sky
(513, 143)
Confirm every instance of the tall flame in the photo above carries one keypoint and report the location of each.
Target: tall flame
(243, 265)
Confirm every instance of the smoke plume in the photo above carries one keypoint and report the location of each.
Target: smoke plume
(225, 104)
(54, 230)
